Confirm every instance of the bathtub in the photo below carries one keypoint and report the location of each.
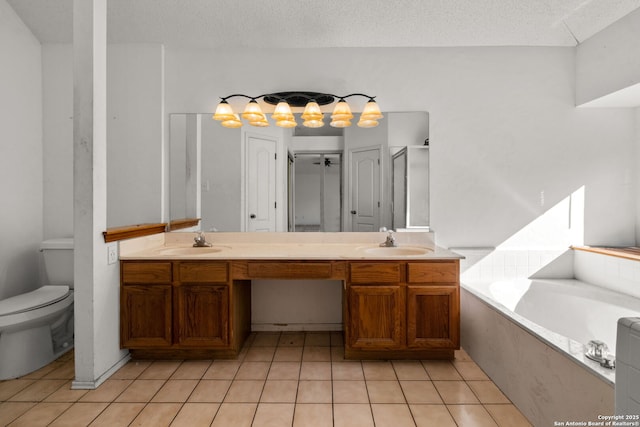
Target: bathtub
(529, 336)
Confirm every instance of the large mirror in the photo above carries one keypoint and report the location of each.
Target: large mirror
(273, 179)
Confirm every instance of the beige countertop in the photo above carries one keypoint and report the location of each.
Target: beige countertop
(285, 246)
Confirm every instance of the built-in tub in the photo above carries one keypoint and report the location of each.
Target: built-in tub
(529, 335)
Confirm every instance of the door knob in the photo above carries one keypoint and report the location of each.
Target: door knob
(252, 216)
(353, 212)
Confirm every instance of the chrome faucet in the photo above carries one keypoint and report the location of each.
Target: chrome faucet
(390, 242)
(200, 241)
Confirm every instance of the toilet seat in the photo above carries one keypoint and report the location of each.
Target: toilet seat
(33, 300)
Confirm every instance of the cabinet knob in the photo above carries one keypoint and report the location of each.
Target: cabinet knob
(252, 216)
(353, 212)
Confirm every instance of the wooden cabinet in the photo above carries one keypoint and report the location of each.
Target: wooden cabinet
(407, 309)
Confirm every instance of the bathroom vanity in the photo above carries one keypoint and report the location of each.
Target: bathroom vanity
(183, 302)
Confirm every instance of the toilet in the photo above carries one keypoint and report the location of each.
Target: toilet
(37, 327)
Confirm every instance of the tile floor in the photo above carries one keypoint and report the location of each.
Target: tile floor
(280, 379)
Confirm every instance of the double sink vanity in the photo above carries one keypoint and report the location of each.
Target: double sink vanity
(181, 301)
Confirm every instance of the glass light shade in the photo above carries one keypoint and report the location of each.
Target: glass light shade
(286, 123)
(312, 112)
(232, 123)
(340, 123)
(282, 112)
(342, 112)
(371, 111)
(224, 112)
(313, 123)
(367, 123)
(262, 123)
(253, 112)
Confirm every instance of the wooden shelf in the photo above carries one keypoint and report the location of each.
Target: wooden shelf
(178, 224)
(131, 231)
(627, 252)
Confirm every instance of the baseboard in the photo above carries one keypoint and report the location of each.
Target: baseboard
(92, 385)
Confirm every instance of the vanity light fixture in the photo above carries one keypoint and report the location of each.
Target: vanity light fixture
(312, 115)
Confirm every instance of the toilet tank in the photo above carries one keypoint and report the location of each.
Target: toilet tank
(58, 261)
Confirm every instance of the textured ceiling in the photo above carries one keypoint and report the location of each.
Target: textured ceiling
(335, 23)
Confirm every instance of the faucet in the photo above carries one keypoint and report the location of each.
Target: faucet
(200, 241)
(390, 242)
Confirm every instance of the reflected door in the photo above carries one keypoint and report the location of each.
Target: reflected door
(365, 189)
(261, 183)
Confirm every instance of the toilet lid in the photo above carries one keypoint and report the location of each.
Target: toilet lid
(41, 297)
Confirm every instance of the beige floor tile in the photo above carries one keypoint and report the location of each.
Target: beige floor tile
(352, 415)
(420, 392)
(177, 391)
(462, 356)
(347, 371)
(191, 370)
(322, 339)
(41, 414)
(131, 370)
(10, 388)
(377, 371)
(66, 394)
(79, 414)
(140, 391)
(108, 391)
(291, 339)
(316, 354)
(279, 391)
(470, 371)
(441, 370)
(337, 355)
(487, 392)
(288, 354)
(471, 415)
(385, 392)
(260, 354)
(455, 392)
(235, 414)
(156, 415)
(66, 371)
(266, 339)
(284, 371)
(507, 415)
(222, 370)
(40, 373)
(244, 391)
(210, 391)
(274, 415)
(313, 415)
(160, 370)
(350, 392)
(314, 392)
(9, 411)
(410, 370)
(253, 371)
(432, 416)
(196, 415)
(392, 415)
(37, 391)
(118, 415)
(315, 371)
(337, 339)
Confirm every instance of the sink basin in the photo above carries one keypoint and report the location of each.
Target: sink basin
(190, 250)
(396, 251)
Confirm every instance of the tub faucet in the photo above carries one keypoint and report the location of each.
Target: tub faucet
(390, 242)
(200, 241)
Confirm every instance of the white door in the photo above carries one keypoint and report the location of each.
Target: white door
(365, 188)
(261, 183)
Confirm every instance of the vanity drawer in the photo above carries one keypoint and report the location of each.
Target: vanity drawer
(146, 272)
(375, 272)
(289, 270)
(203, 272)
(433, 271)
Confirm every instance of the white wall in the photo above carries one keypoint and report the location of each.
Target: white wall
(20, 155)
(503, 126)
(609, 60)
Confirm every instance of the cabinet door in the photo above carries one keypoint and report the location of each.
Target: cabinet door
(433, 317)
(202, 315)
(375, 318)
(145, 316)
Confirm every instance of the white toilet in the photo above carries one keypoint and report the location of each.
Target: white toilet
(37, 327)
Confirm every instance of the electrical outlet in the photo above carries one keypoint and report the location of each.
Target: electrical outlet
(112, 253)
